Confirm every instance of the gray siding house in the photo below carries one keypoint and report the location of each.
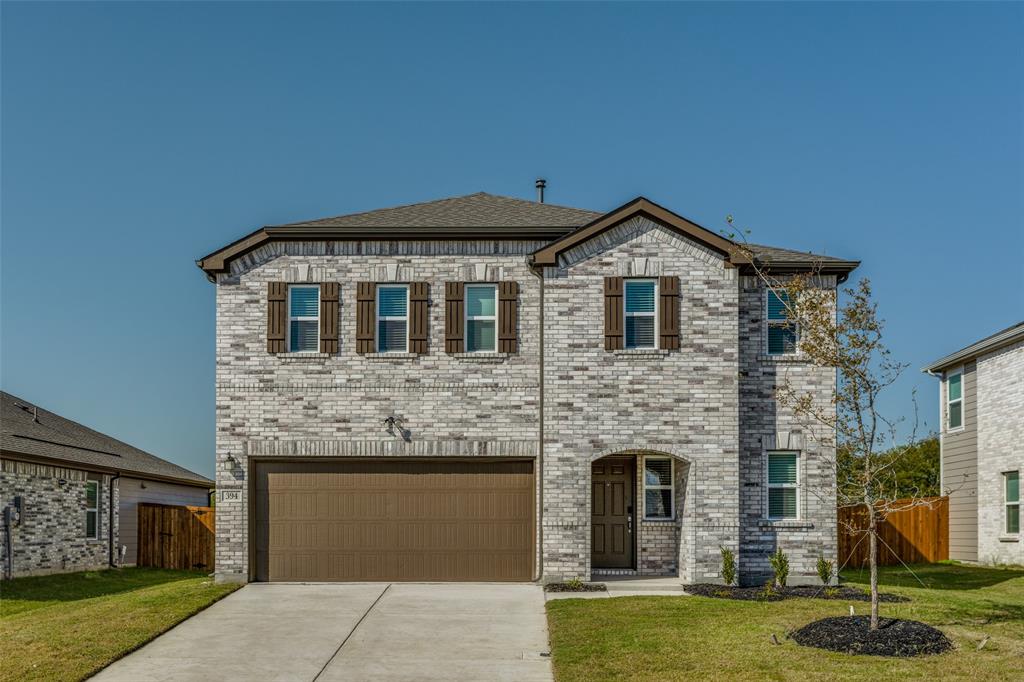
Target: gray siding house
(981, 412)
(489, 388)
(70, 495)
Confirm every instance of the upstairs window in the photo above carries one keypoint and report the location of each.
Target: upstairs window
(955, 400)
(481, 318)
(658, 488)
(92, 509)
(783, 485)
(392, 318)
(1011, 494)
(781, 331)
(639, 301)
(303, 319)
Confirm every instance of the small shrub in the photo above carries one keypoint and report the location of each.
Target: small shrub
(831, 592)
(728, 566)
(723, 593)
(824, 567)
(574, 584)
(780, 566)
(766, 592)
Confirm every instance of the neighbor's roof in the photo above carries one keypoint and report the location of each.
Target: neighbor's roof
(1011, 334)
(37, 433)
(488, 216)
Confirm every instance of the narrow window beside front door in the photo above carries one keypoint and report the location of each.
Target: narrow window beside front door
(92, 504)
(303, 319)
(392, 318)
(658, 495)
(1011, 488)
(481, 318)
(783, 480)
(639, 301)
(955, 401)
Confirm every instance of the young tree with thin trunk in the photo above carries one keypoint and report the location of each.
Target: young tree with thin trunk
(846, 336)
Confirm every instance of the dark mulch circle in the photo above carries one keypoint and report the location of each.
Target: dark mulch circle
(574, 587)
(853, 635)
(761, 593)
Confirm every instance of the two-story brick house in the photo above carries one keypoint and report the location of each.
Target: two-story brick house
(488, 388)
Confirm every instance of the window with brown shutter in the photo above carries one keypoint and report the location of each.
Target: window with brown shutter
(508, 317)
(366, 300)
(668, 308)
(613, 328)
(329, 317)
(454, 312)
(419, 317)
(277, 292)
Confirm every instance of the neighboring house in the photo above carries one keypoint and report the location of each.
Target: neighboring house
(981, 399)
(70, 494)
(488, 388)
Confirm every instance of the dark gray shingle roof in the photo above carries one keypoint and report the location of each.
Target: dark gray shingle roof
(473, 210)
(31, 430)
(1003, 337)
(773, 254)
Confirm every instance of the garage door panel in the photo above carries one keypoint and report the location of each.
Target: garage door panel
(345, 520)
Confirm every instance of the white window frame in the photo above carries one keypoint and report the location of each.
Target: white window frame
(963, 391)
(391, 318)
(671, 487)
(92, 510)
(301, 318)
(653, 315)
(768, 485)
(468, 317)
(785, 322)
(1007, 504)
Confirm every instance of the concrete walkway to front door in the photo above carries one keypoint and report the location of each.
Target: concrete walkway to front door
(379, 631)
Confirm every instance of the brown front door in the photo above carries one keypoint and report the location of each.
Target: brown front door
(395, 519)
(611, 513)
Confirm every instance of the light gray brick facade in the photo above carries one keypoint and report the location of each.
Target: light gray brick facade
(51, 537)
(708, 405)
(1000, 391)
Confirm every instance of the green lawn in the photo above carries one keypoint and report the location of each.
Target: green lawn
(66, 627)
(666, 638)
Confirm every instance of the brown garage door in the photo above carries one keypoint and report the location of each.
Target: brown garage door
(357, 519)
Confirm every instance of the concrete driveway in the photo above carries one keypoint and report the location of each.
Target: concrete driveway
(397, 631)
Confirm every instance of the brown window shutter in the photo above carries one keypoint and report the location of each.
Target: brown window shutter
(508, 317)
(613, 327)
(277, 294)
(668, 288)
(419, 317)
(454, 317)
(329, 317)
(366, 295)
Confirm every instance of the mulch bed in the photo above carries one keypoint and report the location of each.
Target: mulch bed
(852, 635)
(574, 587)
(760, 593)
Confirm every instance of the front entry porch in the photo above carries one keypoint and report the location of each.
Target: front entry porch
(637, 504)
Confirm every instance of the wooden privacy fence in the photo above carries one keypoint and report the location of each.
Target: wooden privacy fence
(916, 535)
(176, 537)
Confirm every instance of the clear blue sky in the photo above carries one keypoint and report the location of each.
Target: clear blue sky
(137, 137)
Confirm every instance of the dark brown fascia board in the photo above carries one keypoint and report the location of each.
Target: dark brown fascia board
(99, 469)
(219, 260)
(840, 268)
(647, 208)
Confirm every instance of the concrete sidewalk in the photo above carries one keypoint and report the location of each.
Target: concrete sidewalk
(400, 631)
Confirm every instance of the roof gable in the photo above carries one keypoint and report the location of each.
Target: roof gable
(644, 207)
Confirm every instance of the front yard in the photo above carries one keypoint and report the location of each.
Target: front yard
(66, 627)
(666, 638)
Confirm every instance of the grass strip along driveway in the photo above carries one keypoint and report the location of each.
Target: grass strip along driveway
(66, 627)
(675, 638)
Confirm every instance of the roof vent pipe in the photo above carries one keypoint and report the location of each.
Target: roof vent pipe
(541, 184)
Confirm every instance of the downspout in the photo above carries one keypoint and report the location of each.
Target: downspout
(110, 522)
(539, 573)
